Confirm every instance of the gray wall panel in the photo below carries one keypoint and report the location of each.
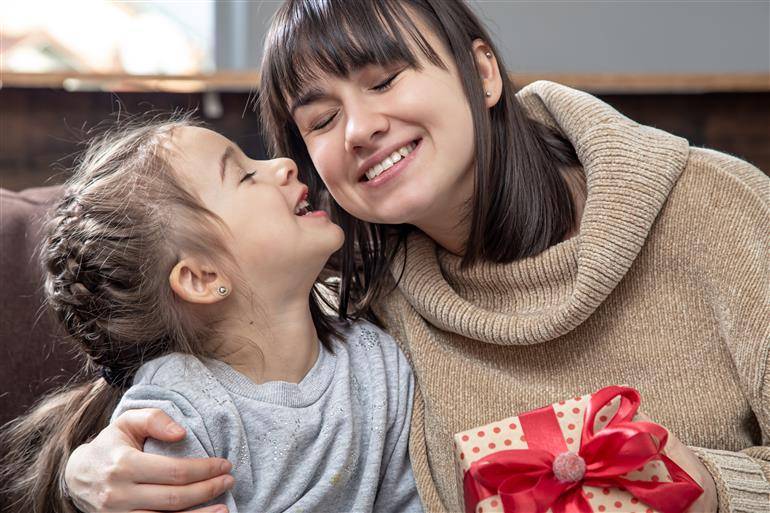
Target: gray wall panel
(576, 36)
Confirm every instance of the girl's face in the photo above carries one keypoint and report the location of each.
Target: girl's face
(393, 144)
(261, 202)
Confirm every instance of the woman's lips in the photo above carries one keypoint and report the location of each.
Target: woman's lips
(395, 170)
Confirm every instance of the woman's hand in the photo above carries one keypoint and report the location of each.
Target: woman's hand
(690, 463)
(112, 474)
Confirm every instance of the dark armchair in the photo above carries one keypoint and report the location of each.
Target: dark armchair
(34, 359)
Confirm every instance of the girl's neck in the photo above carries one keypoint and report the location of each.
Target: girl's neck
(276, 342)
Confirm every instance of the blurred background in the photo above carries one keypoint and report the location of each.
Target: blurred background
(699, 69)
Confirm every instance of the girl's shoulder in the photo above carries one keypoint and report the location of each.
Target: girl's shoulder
(181, 385)
(182, 379)
(172, 370)
(365, 335)
(370, 347)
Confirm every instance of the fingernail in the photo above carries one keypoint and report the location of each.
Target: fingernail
(225, 467)
(228, 481)
(173, 429)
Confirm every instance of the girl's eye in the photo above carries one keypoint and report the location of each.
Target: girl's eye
(325, 121)
(247, 176)
(384, 86)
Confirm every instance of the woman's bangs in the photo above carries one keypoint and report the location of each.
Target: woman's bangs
(338, 37)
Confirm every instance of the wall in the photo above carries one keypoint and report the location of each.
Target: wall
(599, 36)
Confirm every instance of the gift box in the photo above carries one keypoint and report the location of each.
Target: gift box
(585, 454)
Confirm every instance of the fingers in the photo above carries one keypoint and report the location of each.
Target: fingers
(165, 470)
(138, 425)
(175, 498)
(673, 445)
(218, 508)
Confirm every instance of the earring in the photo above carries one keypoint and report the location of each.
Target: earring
(488, 94)
(488, 54)
(222, 291)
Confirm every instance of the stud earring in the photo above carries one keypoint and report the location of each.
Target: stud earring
(222, 291)
(488, 94)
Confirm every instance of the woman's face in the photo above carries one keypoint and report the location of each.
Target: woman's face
(393, 144)
(261, 202)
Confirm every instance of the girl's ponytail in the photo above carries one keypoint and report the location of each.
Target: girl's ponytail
(37, 445)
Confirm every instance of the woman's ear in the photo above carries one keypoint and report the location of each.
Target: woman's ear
(491, 81)
(195, 281)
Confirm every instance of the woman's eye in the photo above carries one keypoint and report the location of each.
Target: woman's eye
(384, 86)
(247, 176)
(325, 121)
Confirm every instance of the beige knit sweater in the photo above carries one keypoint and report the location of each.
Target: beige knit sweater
(665, 289)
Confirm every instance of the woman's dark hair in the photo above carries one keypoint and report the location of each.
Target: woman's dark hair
(521, 204)
(119, 229)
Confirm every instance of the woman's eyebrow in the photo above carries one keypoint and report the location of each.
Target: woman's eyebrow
(223, 161)
(311, 95)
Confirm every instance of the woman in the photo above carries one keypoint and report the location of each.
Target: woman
(522, 249)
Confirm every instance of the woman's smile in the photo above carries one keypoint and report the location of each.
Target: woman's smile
(391, 166)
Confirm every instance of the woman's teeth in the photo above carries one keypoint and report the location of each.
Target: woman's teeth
(391, 159)
(302, 208)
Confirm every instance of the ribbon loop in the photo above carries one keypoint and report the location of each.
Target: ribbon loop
(545, 477)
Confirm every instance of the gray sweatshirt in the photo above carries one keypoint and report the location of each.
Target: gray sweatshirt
(335, 442)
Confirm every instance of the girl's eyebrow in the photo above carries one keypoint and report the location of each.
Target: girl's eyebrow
(223, 162)
(311, 95)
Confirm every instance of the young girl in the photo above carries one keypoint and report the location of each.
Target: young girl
(521, 247)
(183, 271)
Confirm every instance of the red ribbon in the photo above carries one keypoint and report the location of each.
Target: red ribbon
(525, 481)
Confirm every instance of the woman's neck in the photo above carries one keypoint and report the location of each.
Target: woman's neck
(575, 179)
(275, 342)
(451, 229)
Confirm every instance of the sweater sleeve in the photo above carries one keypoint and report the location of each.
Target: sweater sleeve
(197, 444)
(736, 271)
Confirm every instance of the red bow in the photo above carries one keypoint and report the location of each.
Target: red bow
(525, 481)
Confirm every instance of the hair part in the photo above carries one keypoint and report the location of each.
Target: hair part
(521, 203)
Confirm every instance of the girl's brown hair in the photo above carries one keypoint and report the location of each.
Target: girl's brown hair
(521, 204)
(121, 226)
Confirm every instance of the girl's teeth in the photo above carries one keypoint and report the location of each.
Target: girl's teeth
(302, 208)
(391, 159)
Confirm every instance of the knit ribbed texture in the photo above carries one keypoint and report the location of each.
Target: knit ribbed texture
(664, 289)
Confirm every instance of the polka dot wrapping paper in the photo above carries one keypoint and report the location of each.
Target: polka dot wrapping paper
(552, 457)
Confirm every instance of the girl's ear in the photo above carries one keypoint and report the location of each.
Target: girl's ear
(197, 282)
(491, 81)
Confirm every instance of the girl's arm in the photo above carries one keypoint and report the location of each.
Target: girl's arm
(111, 473)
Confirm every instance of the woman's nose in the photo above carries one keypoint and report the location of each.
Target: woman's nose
(285, 171)
(364, 125)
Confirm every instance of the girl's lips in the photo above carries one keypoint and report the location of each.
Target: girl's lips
(316, 213)
(395, 170)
